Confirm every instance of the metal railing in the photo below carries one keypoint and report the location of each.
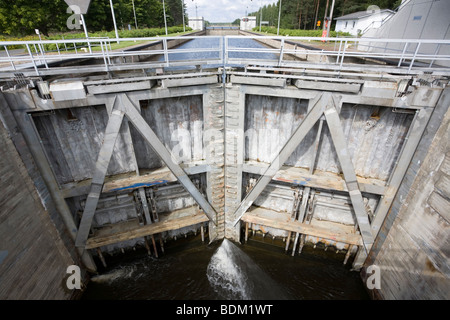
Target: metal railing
(398, 55)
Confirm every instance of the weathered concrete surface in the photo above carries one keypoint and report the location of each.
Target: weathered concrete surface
(234, 155)
(413, 257)
(214, 147)
(33, 258)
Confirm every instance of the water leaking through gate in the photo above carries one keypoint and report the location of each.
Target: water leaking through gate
(227, 271)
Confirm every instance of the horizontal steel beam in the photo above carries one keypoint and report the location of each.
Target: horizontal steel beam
(299, 176)
(119, 183)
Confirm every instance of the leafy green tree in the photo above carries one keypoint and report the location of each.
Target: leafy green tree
(176, 12)
(22, 17)
(301, 14)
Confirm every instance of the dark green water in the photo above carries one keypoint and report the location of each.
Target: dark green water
(190, 270)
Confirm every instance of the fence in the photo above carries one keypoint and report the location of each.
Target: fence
(398, 55)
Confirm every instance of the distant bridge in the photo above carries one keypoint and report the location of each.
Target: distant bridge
(222, 26)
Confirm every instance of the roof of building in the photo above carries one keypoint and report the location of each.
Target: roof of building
(362, 14)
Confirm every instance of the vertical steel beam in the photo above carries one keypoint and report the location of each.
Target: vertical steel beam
(101, 166)
(415, 134)
(147, 133)
(319, 104)
(301, 214)
(307, 190)
(340, 145)
(144, 202)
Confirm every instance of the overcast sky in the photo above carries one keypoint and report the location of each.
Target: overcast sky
(223, 10)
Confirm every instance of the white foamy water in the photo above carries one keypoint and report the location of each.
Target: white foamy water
(225, 275)
(116, 274)
(235, 276)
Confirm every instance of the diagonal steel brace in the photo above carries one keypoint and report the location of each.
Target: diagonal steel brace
(147, 133)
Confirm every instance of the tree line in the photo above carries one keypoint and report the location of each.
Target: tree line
(306, 14)
(22, 17)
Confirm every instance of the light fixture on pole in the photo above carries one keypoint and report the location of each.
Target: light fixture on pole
(114, 20)
(331, 19)
(260, 15)
(85, 31)
(182, 13)
(165, 18)
(279, 18)
(134, 12)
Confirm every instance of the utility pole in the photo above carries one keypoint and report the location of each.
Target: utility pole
(165, 18)
(182, 13)
(134, 12)
(317, 14)
(114, 20)
(279, 18)
(331, 18)
(260, 16)
(325, 16)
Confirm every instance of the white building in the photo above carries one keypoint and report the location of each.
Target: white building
(362, 21)
(248, 23)
(197, 23)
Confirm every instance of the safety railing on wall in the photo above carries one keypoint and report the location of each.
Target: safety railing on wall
(359, 54)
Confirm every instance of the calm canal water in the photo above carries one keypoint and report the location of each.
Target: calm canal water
(227, 271)
(207, 43)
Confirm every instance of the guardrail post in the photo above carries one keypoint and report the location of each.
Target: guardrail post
(59, 52)
(339, 52)
(403, 54)
(221, 50)
(225, 39)
(166, 53)
(9, 56)
(435, 54)
(414, 57)
(104, 56)
(343, 55)
(32, 59)
(41, 48)
(65, 44)
(281, 52)
(107, 52)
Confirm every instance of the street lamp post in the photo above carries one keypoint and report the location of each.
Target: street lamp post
(279, 18)
(134, 12)
(165, 18)
(260, 16)
(86, 32)
(331, 19)
(182, 13)
(114, 20)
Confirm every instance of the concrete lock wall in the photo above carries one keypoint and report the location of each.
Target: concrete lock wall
(225, 135)
(33, 257)
(412, 250)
